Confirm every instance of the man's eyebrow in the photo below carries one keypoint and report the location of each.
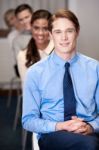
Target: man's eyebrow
(56, 29)
(71, 28)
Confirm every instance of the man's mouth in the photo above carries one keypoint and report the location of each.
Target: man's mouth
(64, 44)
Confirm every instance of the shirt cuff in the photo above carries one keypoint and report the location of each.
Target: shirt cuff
(52, 127)
(94, 125)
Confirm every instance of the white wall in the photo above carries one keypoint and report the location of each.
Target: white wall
(88, 14)
(6, 62)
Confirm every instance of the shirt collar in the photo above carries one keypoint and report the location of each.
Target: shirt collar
(59, 61)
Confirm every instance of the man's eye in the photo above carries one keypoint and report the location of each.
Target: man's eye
(27, 17)
(57, 32)
(70, 30)
(20, 20)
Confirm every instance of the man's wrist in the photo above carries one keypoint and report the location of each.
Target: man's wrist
(58, 126)
(90, 128)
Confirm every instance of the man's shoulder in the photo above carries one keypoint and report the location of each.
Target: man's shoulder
(21, 36)
(21, 40)
(13, 33)
(87, 60)
(39, 67)
(42, 64)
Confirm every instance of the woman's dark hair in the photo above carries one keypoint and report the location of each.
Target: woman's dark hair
(32, 55)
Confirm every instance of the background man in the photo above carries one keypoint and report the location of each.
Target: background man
(23, 13)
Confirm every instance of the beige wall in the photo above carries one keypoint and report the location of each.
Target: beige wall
(88, 14)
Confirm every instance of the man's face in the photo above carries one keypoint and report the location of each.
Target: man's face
(12, 20)
(24, 18)
(40, 31)
(64, 36)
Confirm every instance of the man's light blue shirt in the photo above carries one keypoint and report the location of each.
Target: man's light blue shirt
(43, 104)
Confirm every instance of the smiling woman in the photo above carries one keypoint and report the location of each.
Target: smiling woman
(40, 45)
(40, 33)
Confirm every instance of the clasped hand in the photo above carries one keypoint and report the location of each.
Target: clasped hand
(76, 125)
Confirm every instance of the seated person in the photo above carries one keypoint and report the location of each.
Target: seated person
(39, 47)
(61, 92)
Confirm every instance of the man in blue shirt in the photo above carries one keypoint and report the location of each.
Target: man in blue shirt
(43, 98)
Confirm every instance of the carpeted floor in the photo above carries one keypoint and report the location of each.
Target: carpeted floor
(9, 139)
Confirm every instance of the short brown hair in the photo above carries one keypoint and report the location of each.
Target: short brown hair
(23, 7)
(62, 13)
(9, 12)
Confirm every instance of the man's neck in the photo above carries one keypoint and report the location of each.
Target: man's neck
(66, 56)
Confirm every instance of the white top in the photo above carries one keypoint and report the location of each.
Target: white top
(11, 36)
(21, 41)
(21, 58)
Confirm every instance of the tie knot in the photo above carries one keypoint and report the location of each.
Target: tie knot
(67, 65)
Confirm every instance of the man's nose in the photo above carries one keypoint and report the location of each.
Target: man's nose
(64, 36)
(25, 21)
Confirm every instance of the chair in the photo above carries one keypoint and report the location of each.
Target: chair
(35, 145)
(6, 63)
(24, 138)
(35, 142)
(8, 78)
(18, 111)
(15, 81)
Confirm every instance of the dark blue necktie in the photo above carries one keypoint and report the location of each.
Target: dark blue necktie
(68, 93)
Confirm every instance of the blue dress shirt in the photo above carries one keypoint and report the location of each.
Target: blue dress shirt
(43, 104)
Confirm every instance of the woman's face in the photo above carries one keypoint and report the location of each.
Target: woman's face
(40, 31)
